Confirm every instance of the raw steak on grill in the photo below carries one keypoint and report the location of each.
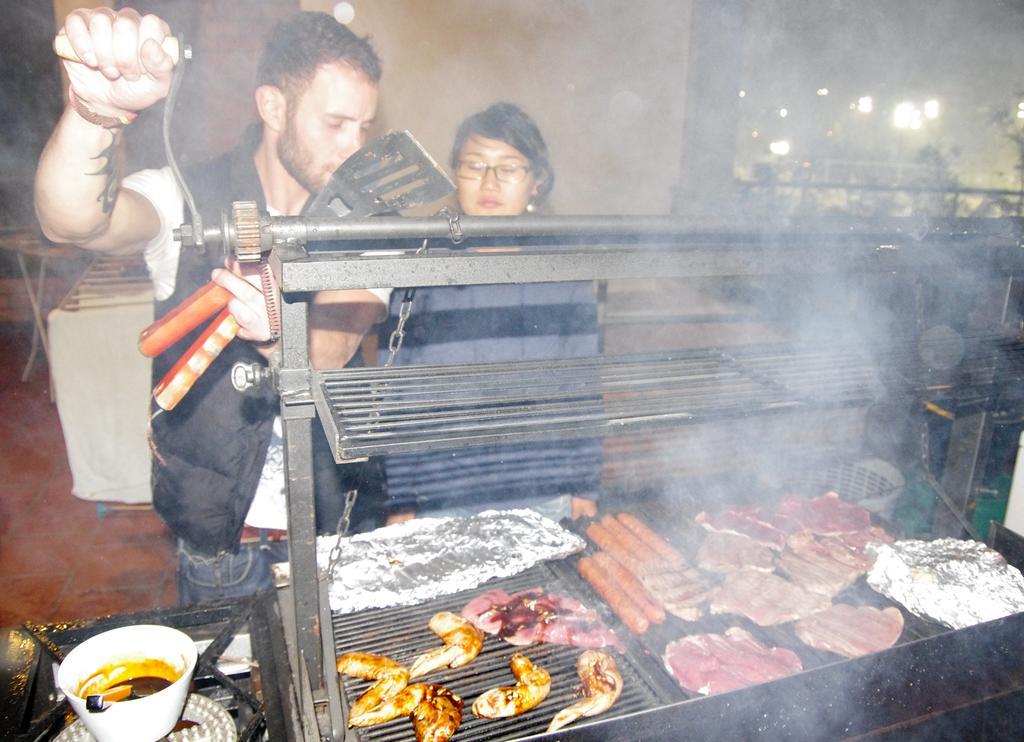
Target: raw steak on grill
(827, 515)
(682, 591)
(766, 599)
(851, 631)
(821, 564)
(534, 616)
(715, 663)
(729, 552)
(760, 524)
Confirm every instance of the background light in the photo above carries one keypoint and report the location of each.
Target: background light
(743, 94)
(906, 116)
(822, 91)
(931, 109)
(865, 104)
(783, 112)
(780, 147)
(344, 13)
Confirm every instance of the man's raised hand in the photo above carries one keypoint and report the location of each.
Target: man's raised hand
(124, 67)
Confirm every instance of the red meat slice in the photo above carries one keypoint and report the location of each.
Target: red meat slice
(716, 663)
(757, 523)
(827, 515)
(851, 631)
(681, 591)
(534, 616)
(766, 599)
(825, 567)
(729, 552)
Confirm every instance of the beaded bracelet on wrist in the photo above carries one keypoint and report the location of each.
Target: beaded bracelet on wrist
(107, 122)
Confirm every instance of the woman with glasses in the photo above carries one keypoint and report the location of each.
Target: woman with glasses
(501, 167)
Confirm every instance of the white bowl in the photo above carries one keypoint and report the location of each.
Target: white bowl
(142, 719)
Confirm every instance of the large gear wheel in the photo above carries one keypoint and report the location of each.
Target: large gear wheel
(245, 217)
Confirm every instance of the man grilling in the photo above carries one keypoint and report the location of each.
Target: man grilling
(218, 478)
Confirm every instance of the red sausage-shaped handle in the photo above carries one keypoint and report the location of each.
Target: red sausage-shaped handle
(196, 360)
(184, 318)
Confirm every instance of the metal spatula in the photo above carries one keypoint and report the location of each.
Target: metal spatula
(388, 174)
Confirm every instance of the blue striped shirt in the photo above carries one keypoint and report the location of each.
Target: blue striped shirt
(487, 324)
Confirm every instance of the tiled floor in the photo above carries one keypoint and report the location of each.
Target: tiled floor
(62, 558)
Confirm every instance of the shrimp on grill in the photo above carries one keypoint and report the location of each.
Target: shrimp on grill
(436, 712)
(462, 643)
(532, 686)
(602, 685)
(391, 678)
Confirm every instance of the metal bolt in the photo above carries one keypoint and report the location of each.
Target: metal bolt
(245, 376)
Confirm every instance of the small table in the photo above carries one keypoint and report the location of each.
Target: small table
(102, 382)
(24, 243)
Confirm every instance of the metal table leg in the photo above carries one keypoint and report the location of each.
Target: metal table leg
(35, 297)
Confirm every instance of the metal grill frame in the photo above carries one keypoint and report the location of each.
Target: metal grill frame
(581, 248)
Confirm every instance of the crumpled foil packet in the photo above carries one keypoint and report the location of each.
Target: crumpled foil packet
(411, 562)
(955, 582)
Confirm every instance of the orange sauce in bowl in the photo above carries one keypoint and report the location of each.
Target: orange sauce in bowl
(110, 676)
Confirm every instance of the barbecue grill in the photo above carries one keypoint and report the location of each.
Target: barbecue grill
(379, 411)
(934, 679)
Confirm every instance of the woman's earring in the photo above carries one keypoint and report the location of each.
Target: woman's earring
(530, 208)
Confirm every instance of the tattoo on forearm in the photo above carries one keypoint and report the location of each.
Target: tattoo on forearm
(110, 190)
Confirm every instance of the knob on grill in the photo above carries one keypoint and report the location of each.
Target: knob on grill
(246, 376)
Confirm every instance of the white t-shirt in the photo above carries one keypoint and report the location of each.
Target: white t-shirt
(269, 506)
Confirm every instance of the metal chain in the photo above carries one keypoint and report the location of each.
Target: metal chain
(343, 525)
(405, 310)
(454, 226)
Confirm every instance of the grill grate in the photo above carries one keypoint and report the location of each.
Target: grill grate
(377, 411)
(402, 634)
(687, 537)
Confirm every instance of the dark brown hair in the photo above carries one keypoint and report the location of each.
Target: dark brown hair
(302, 42)
(509, 123)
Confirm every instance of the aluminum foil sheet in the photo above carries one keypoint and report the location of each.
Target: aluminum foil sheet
(411, 562)
(955, 582)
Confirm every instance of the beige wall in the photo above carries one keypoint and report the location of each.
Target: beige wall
(604, 80)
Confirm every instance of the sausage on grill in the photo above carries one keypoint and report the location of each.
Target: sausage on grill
(630, 586)
(602, 583)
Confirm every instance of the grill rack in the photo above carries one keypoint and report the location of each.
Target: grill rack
(374, 411)
(402, 634)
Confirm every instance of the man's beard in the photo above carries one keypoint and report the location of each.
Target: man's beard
(296, 159)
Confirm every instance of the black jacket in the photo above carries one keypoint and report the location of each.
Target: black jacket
(211, 448)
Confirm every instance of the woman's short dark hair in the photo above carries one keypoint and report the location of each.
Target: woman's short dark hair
(509, 123)
(302, 42)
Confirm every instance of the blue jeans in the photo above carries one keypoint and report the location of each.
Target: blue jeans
(203, 578)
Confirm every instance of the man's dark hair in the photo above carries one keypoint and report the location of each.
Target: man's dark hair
(509, 123)
(302, 42)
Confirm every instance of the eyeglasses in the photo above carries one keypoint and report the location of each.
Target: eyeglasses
(506, 172)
